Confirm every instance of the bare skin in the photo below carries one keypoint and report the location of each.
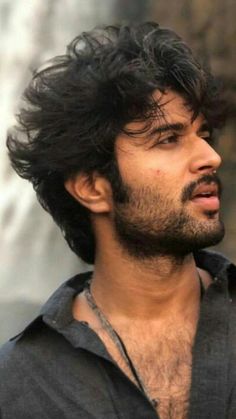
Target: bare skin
(153, 304)
(159, 345)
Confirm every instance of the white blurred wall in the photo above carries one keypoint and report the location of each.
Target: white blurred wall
(34, 258)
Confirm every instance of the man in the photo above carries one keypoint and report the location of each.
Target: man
(118, 145)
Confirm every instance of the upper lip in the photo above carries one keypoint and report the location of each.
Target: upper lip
(204, 189)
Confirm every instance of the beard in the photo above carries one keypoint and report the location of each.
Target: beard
(149, 224)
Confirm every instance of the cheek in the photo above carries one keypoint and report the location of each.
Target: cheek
(169, 185)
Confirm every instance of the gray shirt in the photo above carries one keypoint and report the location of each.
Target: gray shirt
(59, 368)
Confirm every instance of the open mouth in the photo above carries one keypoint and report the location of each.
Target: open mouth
(207, 196)
(206, 191)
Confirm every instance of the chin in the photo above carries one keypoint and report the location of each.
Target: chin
(212, 232)
(201, 234)
(212, 215)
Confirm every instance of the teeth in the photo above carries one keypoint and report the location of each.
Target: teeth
(206, 193)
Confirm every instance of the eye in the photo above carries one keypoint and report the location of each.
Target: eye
(166, 142)
(169, 140)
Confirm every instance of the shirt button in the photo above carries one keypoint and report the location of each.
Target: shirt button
(155, 402)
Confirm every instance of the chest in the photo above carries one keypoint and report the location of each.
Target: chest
(163, 363)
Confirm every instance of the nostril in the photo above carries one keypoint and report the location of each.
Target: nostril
(204, 168)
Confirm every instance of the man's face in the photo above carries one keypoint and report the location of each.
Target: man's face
(170, 193)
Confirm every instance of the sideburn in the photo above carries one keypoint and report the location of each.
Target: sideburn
(119, 191)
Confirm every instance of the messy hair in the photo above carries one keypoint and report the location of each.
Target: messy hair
(74, 109)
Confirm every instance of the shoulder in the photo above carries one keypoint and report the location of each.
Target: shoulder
(31, 365)
(12, 371)
(24, 357)
(16, 352)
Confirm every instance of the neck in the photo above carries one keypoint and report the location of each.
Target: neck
(148, 290)
(156, 289)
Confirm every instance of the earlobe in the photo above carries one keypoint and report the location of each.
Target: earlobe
(92, 191)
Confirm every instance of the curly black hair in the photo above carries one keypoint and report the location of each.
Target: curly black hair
(74, 109)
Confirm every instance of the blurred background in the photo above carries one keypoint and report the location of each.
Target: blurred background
(34, 259)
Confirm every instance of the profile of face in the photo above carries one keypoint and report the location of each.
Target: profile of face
(168, 199)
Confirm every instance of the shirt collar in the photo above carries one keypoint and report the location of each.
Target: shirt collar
(57, 311)
(215, 263)
(58, 307)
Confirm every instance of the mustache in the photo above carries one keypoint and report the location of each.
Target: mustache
(206, 180)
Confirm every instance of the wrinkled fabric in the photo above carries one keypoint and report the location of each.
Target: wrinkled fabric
(59, 368)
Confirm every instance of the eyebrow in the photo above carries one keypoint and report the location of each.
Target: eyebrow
(178, 126)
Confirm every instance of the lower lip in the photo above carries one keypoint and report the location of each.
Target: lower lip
(212, 203)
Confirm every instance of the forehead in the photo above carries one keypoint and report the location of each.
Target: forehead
(172, 110)
(172, 105)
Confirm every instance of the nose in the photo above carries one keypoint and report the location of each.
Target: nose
(205, 159)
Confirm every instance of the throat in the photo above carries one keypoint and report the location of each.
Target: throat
(140, 293)
(152, 302)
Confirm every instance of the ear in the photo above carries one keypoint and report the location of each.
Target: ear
(92, 191)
